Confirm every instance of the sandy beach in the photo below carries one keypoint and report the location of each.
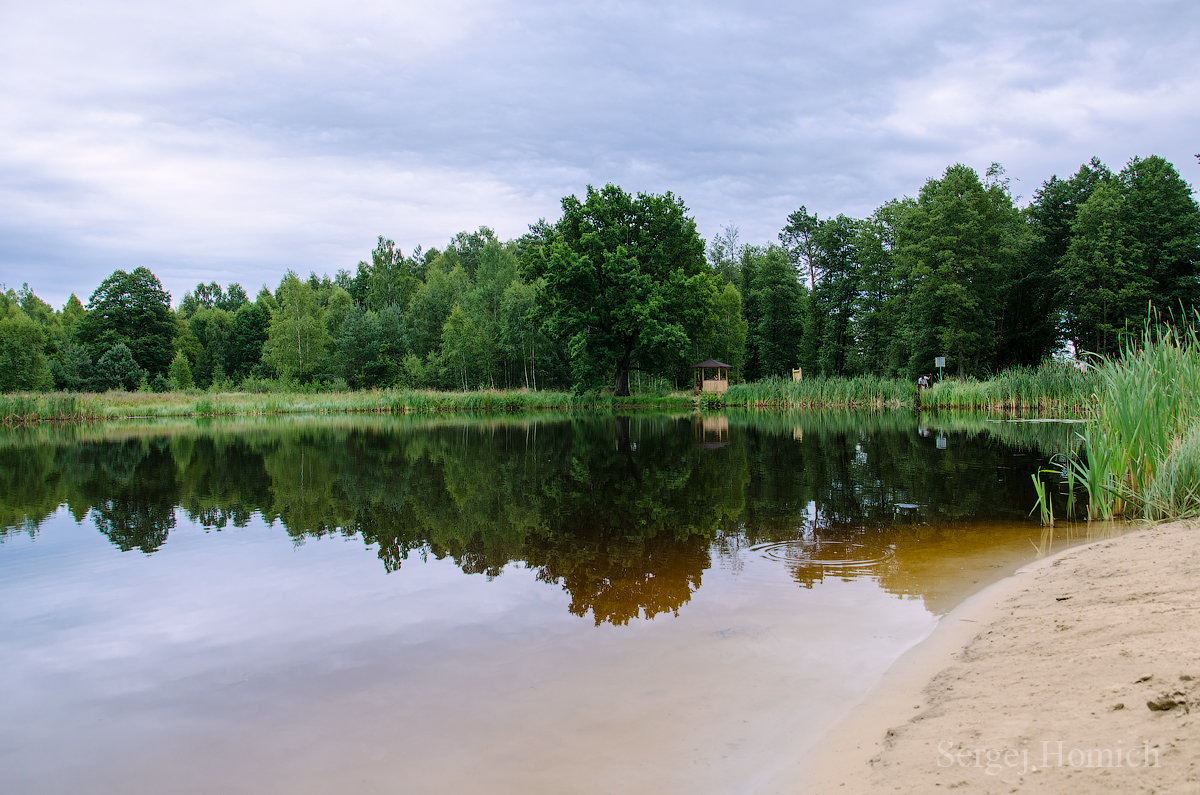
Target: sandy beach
(1081, 673)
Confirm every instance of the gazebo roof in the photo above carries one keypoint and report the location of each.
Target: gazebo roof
(710, 363)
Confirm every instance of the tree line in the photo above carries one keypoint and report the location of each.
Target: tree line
(622, 293)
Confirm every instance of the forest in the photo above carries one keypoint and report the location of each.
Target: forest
(622, 294)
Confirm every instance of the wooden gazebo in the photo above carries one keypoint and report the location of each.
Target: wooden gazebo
(710, 376)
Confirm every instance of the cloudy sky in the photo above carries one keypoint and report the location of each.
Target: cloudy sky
(235, 140)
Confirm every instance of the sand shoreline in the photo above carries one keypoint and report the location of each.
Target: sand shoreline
(1041, 683)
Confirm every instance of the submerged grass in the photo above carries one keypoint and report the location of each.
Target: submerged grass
(68, 407)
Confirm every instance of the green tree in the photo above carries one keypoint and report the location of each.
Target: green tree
(774, 308)
(1104, 288)
(358, 350)
(724, 334)
(389, 279)
(296, 337)
(72, 369)
(132, 309)
(469, 248)
(799, 238)
(247, 336)
(23, 366)
(446, 284)
(1162, 230)
(1051, 217)
(879, 304)
(72, 315)
(725, 254)
(959, 244)
(117, 369)
(213, 329)
(829, 333)
(521, 335)
(626, 283)
(180, 373)
(464, 350)
(484, 303)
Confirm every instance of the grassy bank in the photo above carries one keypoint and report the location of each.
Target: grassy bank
(1141, 450)
(68, 407)
(1052, 387)
(858, 392)
(1049, 387)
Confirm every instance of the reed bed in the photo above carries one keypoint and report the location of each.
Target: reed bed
(68, 407)
(1141, 451)
(1052, 386)
(858, 392)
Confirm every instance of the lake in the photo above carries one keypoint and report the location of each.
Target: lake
(558, 604)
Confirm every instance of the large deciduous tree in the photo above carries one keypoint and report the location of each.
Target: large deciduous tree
(959, 245)
(775, 309)
(626, 285)
(134, 309)
(1163, 223)
(1044, 289)
(1104, 287)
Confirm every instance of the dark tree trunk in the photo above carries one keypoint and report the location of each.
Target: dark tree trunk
(622, 383)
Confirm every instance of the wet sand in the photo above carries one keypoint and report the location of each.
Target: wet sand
(1080, 673)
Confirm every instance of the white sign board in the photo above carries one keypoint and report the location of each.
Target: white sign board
(939, 361)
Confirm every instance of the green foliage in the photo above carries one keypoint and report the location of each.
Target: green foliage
(389, 280)
(212, 330)
(357, 355)
(1140, 450)
(774, 309)
(117, 369)
(1049, 387)
(626, 284)
(828, 342)
(618, 294)
(297, 336)
(432, 303)
(72, 369)
(247, 336)
(180, 373)
(820, 392)
(1163, 220)
(134, 310)
(878, 345)
(23, 366)
(1103, 286)
(958, 245)
(1134, 243)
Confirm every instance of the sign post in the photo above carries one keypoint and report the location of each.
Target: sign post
(940, 363)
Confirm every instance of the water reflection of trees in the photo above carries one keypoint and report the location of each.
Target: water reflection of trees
(623, 513)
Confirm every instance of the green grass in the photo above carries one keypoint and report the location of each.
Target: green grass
(858, 392)
(61, 406)
(1140, 456)
(1050, 387)
(1143, 449)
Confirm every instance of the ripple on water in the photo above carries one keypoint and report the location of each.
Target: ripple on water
(817, 557)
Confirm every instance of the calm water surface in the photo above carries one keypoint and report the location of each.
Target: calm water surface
(637, 604)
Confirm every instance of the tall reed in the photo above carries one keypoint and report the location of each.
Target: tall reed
(860, 391)
(1141, 450)
(1051, 386)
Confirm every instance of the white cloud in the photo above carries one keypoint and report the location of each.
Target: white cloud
(237, 140)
